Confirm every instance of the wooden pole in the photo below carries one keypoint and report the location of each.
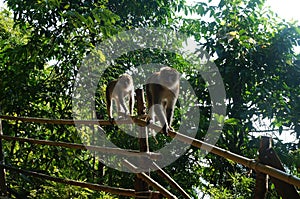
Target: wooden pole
(141, 187)
(269, 157)
(261, 185)
(141, 110)
(285, 190)
(3, 187)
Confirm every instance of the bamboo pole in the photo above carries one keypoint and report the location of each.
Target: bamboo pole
(131, 153)
(149, 180)
(183, 138)
(172, 182)
(66, 121)
(96, 187)
(238, 159)
(251, 163)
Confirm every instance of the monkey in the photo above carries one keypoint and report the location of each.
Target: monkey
(162, 90)
(117, 90)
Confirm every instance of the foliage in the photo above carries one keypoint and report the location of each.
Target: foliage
(42, 47)
(254, 52)
(242, 188)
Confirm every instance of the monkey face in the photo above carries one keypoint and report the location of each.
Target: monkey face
(125, 80)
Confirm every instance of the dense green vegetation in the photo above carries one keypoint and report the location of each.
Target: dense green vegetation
(43, 43)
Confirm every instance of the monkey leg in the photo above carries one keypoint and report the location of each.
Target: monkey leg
(109, 109)
(170, 113)
(123, 106)
(159, 112)
(150, 116)
(150, 120)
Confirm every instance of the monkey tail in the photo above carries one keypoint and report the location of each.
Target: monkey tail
(108, 100)
(107, 94)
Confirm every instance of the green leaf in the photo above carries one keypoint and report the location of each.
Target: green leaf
(232, 121)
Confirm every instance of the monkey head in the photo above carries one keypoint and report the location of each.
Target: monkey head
(168, 77)
(125, 81)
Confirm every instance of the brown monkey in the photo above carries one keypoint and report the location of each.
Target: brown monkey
(117, 90)
(162, 90)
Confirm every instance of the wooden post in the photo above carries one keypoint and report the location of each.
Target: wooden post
(285, 190)
(3, 187)
(269, 157)
(141, 110)
(141, 187)
(261, 185)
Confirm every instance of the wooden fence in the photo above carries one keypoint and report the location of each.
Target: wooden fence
(262, 167)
